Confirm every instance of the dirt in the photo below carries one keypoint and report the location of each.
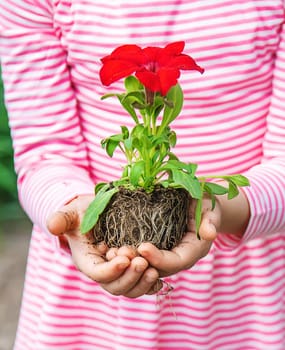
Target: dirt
(14, 242)
(135, 216)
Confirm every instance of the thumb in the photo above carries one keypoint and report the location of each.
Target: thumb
(64, 220)
(208, 227)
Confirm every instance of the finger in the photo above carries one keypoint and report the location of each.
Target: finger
(182, 257)
(111, 253)
(209, 222)
(89, 258)
(129, 278)
(102, 248)
(149, 284)
(98, 269)
(164, 261)
(156, 287)
(103, 271)
(62, 221)
(161, 288)
(129, 251)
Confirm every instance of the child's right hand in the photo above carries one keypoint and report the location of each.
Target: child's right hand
(127, 274)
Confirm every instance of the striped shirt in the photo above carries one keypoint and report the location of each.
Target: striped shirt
(233, 121)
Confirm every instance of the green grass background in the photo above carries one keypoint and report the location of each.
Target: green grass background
(9, 205)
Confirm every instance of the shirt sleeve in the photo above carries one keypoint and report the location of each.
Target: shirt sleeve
(49, 149)
(266, 193)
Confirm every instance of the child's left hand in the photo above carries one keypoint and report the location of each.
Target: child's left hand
(182, 257)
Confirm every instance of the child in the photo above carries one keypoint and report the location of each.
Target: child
(228, 288)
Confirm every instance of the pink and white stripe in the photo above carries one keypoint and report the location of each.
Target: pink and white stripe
(233, 121)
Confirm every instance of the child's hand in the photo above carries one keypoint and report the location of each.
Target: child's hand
(190, 249)
(180, 258)
(228, 216)
(124, 274)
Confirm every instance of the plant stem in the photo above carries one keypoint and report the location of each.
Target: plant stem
(203, 178)
(153, 121)
(149, 97)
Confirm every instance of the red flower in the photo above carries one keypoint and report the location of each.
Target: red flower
(156, 68)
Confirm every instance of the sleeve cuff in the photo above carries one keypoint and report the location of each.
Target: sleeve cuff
(47, 189)
(266, 197)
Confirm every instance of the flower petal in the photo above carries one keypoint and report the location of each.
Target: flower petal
(168, 78)
(114, 70)
(157, 68)
(150, 80)
(130, 53)
(152, 53)
(174, 48)
(184, 62)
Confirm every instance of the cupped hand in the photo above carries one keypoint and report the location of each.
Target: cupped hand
(191, 249)
(125, 274)
(182, 257)
(228, 216)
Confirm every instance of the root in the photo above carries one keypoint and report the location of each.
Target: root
(133, 217)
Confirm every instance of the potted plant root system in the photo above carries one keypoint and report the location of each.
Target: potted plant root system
(150, 202)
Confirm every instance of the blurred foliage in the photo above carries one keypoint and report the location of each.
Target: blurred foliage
(9, 205)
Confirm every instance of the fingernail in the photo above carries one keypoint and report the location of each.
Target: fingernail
(143, 252)
(122, 266)
(150, 278)
(140, 268)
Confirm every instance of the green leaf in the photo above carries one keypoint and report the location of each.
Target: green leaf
(140, 138)
(125, 132)
(155, 157)
(157, 111)
(164, 183)
(172, 156)
(191, 184)
(132, 84)
(99, 186)
(110, 145)
(137, 131)
(158, 140)
(233, 190)
(112, 94)
(213, 201)
(127, 104)
(198, 216)
(239, 180)
(96, 207)
(117, 137)
(135, 96)
(178, 165)
(128, 144)
(157, 107)
(125, 172)
(172, 138)
(137, 144)
(175, 95)
(214, 188)
(136, 172)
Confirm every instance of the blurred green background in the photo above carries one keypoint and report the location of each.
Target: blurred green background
(9, 205)
(15, 231)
